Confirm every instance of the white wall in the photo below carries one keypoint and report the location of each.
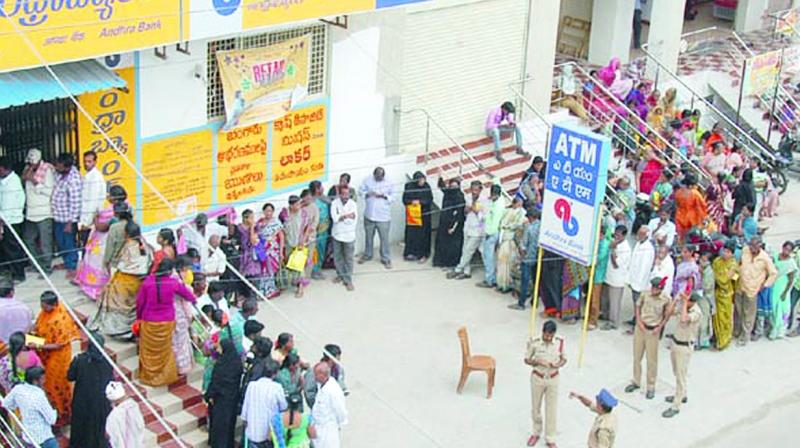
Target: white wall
(579, 9)
(171, 98)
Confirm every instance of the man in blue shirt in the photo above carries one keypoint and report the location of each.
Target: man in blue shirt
(529, 248)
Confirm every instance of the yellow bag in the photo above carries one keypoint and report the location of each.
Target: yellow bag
(414, 215)
(297, 259)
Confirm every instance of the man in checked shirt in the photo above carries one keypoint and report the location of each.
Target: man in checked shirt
(66, 203)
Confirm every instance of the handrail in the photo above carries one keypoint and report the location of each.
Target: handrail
(781, 89)
(777, 16)
(618, 102)
(759, 153)
(464, 152)
(611, 198)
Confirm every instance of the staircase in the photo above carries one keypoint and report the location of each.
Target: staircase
(180, 404)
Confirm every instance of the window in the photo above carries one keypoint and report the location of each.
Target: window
(215, 104)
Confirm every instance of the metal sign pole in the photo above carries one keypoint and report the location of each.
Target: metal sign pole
(775, 96)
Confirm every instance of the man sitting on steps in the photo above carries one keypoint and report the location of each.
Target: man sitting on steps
(501, 119)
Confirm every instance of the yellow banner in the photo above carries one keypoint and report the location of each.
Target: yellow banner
(258, 13)
(63, 30)
(299, 145)
(241, 163)
(180, 167)
(262, 84)
(761, 73)
(115, 112)
(787, 23)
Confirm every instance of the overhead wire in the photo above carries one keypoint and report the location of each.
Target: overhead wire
(146, 181)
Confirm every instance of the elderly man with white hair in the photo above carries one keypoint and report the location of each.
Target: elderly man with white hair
(329, 412)
(125, 424)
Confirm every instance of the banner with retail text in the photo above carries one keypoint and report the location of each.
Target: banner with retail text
(262, 84)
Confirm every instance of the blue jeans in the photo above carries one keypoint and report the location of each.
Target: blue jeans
(49, 443)
(495, 134)
(527, 268)
(490, 259)
(66, 244)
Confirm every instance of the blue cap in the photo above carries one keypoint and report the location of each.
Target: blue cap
(605, 398)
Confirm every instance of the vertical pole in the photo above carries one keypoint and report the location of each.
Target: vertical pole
(591, 287)
(775, 97)
(741, 91)
(535, 298)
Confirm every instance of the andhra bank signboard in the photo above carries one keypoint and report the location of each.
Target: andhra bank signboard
(65, 30)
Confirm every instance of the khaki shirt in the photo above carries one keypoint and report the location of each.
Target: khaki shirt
(603, 432)
(687, 331)
(756, 271)
(652, 308)
(551, 352)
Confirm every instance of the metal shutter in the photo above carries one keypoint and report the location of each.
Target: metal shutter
(457, 63)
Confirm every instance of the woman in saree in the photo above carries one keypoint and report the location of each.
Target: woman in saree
(248, 239)
(323, 203)
(611, 75)
(781, 290)
(155, 311)
(574, 278)
(116, 311)
(715, 201)
(166, 240)
(418, 199)
(726, 274)
(511, 224)
(269, 250)
(688, 278)
(290, 376)
(292, 428)
(637, 99)
(59, 330)
(91, 275)
(181, 338)
(450, 235)
(655, 118)
(651, 172)
(691, 209)
(667, 103)
(18, 358)
(295, 229)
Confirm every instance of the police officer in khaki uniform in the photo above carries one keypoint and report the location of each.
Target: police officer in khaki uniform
(545, 355)
(651, 315)
(689, 315)
(604, 429)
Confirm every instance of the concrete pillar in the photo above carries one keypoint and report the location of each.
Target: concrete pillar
(664, 38)
(540, 53)
(612, 28)
(749, 15)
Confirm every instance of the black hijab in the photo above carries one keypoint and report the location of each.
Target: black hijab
(227, 372)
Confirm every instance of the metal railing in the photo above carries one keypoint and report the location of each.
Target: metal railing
(611, 198)
(463, 153)
(736, 132)
(777, 16)
(637, 130)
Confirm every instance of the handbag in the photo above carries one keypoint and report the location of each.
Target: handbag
(414, 215)
(297, 259)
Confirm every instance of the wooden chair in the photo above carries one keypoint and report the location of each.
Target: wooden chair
(471, 362)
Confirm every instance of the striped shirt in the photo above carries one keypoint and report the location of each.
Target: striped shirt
(37, 414)
(263, 399)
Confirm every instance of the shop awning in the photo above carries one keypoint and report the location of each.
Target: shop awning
(37, 84)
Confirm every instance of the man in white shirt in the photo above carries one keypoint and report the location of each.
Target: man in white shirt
(214, 296)
(39, 178)
(93, 195)
(619, 261)
(662, 229)
(344, 214)
(12, 203)
(263, 399)
(329, 411)
(379, 195)
(214, 265)
(641, 265)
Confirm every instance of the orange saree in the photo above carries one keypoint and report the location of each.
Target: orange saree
(57, 327)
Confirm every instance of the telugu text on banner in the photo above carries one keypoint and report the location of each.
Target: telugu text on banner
(71, 30)
(180, 168)
(242, 163)
(263, 84)
(114, 111)
(299, 146)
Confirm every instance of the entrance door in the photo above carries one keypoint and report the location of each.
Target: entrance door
(50, 126)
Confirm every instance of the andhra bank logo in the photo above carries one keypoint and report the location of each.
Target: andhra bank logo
(226, 7)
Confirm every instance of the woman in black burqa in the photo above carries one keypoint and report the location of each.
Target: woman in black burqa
(91, 374)
(450, 234)
(222, 396)
(418, 193)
